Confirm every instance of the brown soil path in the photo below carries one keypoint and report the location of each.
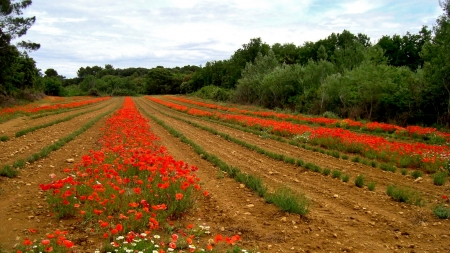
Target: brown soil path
(382, 178)
(22, 203)
(346, 216)
(33, 142)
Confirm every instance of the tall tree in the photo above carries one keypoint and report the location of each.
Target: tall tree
(437, 65)
(13, 25)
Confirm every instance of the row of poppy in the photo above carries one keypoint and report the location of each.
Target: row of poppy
(344, 123)
(394, 151)
(131, 186)
(52, 107)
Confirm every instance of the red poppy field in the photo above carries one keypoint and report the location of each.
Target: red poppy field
(177, 174)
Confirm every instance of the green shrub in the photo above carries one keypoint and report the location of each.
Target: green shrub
(345, 178)
(356, 159)
(289, 201)
(416, 173)
(330, 115)
(336, 174)
(404, 172)
(213, 92)
(440, 178)
(388, 167)
(4, 138)
(441, 211)
(359, 181)
(326, 171)
(404, 194)
(19, 164)
(371, 186)
(8, 171)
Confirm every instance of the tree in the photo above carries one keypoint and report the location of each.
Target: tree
(322, 53)
(51, 73)
(436, 55)
(13, 26)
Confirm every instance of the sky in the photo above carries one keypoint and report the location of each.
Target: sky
(170, 33)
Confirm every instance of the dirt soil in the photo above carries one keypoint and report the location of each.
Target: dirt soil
(343, 218)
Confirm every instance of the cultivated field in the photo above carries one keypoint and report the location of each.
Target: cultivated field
(243, 160)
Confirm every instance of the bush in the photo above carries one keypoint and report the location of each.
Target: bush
(416, 173)
(359, 181)
(441, 211)
(345, 178)
(214, 93)
(440, 178)
(52, 86)
(371, 186)
(72, 90)
(330, 115)
(8, 171)
(388, 167)
(336, 174)
(404, 194)
(289, 201)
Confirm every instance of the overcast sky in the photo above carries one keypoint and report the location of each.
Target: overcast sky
(169, 33)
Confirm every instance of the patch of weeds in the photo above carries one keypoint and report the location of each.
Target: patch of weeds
(326, 171)
(416, 174)
(299, 162)
(336, 174)
(4, 138)
(366, 162)
(404, 194)
(356, 159)
(371, 186)
(19, 164)
(439, 178)
(374, 164)
(388, 167)
(345, 178)
(359, 181)
(441, 211)
(344, 157)
(220, 174)
(313, 167)
(289, 201)
(404, 172)
(335, 153)
(8, 171)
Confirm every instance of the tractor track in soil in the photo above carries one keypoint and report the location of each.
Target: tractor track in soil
(343, 216)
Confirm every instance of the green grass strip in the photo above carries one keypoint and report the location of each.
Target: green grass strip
(278, 198)
(4, 138)
(54, 146)
(32, 129)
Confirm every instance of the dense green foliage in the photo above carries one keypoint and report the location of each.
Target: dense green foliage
(18, 72)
